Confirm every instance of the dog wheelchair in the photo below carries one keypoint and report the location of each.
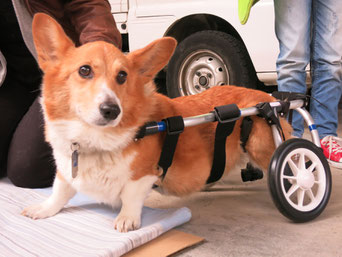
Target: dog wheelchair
(299, 178)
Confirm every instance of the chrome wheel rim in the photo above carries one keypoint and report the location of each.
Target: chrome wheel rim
(200, 71)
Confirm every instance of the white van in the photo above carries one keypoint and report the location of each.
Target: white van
(213, 47)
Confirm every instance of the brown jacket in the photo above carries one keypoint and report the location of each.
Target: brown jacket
(83, 20)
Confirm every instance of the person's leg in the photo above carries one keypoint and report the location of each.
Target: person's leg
(23, 152)
(14, 103)
(326, 65)
(30, 161)
(292, 26)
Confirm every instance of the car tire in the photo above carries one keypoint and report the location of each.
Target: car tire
(206, 59)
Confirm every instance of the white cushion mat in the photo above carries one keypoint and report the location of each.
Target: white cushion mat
(83, 228)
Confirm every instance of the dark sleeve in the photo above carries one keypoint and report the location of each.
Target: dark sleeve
(92, 20)
(83, 20)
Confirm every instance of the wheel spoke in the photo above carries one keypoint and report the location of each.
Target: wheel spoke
(300, 197)
(292, 189)
(289, 177)
(293, 167)
(310, 194)
(301, 162)
(312, 167)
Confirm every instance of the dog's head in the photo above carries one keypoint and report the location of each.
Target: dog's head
(95, 83)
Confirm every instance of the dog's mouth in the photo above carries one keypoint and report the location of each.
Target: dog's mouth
(106, 123)
(102, 123)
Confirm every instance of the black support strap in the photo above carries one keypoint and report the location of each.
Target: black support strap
(246, 127)
(285, 98)
(226, 116)
(227, 113)
(174, 126)
(289, 96)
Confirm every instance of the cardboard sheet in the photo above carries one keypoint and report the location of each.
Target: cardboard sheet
(169, 243)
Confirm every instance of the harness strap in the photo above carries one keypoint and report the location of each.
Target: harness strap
(289, 96)
(226, 116)
(285, 98)
(174, 126)
(290, 117)
(246, 127)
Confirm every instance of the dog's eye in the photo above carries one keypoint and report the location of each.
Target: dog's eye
(85, 72)
(121, 77)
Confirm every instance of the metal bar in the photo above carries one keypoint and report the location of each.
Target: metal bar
(311, 124)
(200, 119)
(210, 117)
(276, 136)
(249, 111)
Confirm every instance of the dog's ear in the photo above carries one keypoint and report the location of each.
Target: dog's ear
(152, 58)
(50, 40)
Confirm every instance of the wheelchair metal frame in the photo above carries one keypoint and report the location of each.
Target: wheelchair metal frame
(282, 181)
(298, 105)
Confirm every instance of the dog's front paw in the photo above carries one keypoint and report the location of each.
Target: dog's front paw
(39, 211)
(125, 223)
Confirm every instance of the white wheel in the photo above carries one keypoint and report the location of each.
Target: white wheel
(308, 184)
(299, 180)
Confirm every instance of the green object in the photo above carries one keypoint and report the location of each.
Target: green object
(245, 8)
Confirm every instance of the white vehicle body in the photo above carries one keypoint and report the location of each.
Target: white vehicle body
(146, 20)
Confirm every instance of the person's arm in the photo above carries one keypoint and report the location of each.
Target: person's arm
(92, 20)
(83, 20)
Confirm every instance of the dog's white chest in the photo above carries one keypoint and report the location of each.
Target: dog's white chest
(102, 168)
(100, 175)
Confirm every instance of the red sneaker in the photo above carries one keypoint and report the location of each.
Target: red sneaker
(332, 149)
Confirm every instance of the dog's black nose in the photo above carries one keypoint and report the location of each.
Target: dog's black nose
(109, 111)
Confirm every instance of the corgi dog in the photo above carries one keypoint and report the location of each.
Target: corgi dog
(95, 98)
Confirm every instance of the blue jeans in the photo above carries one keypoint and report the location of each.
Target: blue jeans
(311, 31)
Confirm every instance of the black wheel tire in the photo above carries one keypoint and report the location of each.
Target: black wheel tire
(229, 58)
(275, 185)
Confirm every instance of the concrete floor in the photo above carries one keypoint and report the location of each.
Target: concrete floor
(240, 219)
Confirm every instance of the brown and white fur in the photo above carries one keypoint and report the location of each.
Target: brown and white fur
(113, 168)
